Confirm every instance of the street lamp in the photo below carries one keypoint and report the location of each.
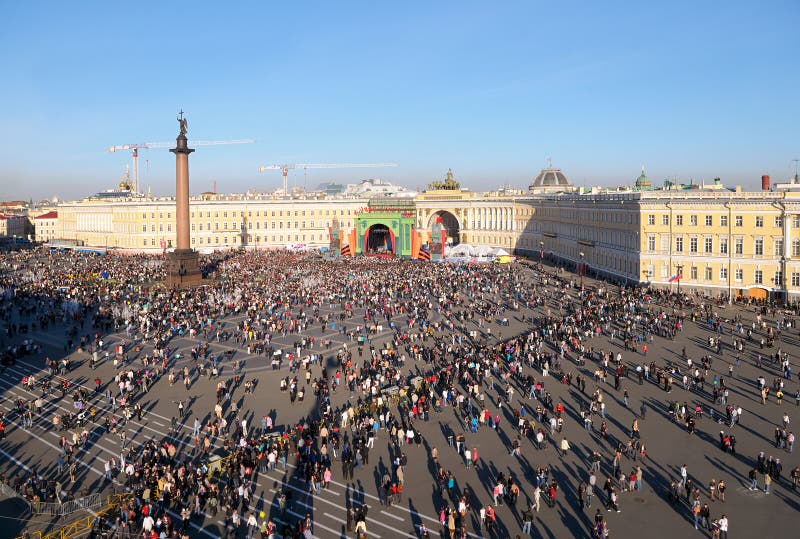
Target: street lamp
(582, 270)
(785, 293)
(679, 267)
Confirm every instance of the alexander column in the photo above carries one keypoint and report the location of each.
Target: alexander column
(182, 264)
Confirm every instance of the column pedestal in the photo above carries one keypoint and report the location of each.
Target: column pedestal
(183, 269)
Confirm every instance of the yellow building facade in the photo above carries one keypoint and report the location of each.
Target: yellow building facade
(217, 222)
(722, 242)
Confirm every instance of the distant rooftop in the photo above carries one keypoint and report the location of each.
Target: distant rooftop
(550, 180)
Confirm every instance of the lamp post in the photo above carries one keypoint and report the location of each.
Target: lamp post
(679, 267)
(782, 284)
(582, 269)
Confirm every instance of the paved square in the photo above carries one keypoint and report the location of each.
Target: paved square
(486, 334)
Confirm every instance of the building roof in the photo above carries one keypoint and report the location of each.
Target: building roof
(550, 177)
(48, 215)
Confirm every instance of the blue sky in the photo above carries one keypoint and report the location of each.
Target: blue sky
(489, 89)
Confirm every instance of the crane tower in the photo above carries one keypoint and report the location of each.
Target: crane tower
(305, 166)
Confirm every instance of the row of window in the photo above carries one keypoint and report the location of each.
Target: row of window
(561, 213)
(738, 245)
(738, 220)
(738, 275)
(160, 227)
(233, 226)
(226, 240)
(297, 213)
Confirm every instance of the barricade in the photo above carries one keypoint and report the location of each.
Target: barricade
(92, 501)
(83, 525)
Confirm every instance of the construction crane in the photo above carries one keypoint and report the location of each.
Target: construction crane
(134, 148)
(305, 166)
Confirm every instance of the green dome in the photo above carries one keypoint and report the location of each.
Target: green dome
(643, 182)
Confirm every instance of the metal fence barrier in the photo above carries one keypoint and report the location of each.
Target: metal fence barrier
(83, 525)
(92, 501)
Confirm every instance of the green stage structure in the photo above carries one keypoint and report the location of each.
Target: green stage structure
(384, 233)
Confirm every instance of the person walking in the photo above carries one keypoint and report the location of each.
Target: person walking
(753, 476)
(723, 527)
(696, 509)
(564, 447)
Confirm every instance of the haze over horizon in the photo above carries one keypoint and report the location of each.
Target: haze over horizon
(691, 91)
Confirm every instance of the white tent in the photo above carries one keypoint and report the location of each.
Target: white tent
(462, 249)
(482, 250)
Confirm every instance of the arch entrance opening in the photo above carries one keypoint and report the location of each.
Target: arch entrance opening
(380, 240)
(451, 226)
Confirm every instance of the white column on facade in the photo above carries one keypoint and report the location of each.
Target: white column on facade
(787, 224)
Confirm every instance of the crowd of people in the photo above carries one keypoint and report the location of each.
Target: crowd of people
(383, 345)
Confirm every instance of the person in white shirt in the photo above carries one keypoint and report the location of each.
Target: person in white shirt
(147, 524)
(252, 525)
(723, 527)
